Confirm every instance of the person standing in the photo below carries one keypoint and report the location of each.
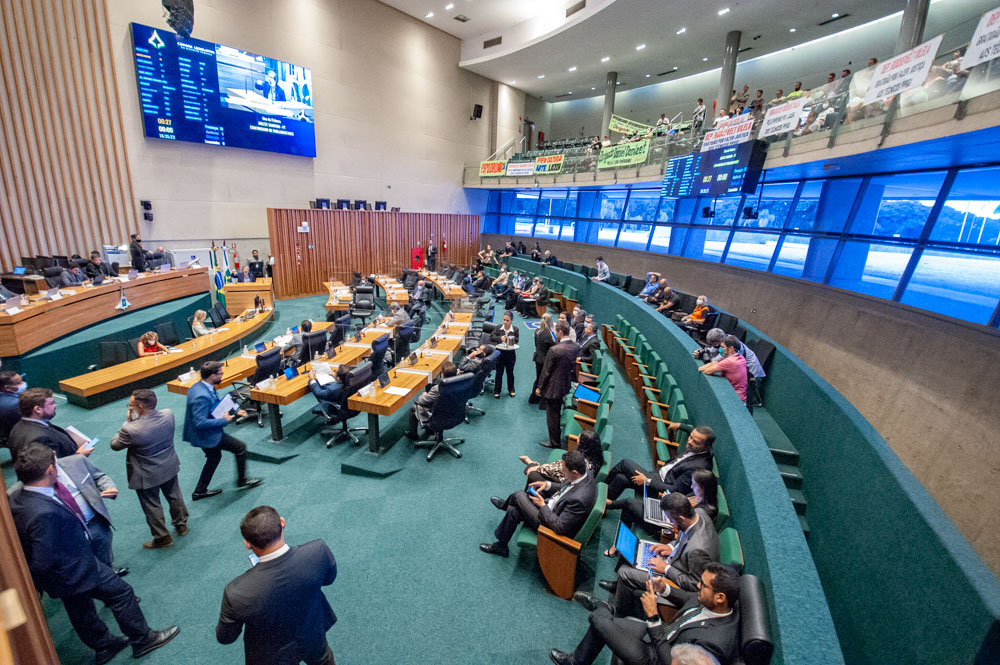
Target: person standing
(554, 382)
(151, 465)
(57, 547)
(280, 599)
(698, 116)
(545, 339)
(507, 335)
(204, 431)
(137, 253)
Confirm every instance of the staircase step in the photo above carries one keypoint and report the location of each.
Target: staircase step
(790, 474)
(781, 446)
(798, 500)
(805, 526)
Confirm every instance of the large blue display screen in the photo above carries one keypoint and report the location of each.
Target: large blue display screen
(197, 91)
(731, 170)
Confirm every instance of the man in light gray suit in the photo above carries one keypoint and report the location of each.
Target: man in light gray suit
(151, 465)
(89, 486)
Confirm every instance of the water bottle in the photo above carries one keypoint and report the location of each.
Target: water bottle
(246, 350)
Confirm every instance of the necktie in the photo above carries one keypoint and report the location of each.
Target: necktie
(683, 619)
(558, 495)
(681, 541)
(67, 498)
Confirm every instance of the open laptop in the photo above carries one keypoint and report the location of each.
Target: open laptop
(636, 552)
(19, 270)
(651, 511)
(98, 279)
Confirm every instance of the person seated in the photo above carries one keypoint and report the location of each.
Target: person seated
(652, 285)
(596, 145)
(562, 507)
(293, 347)
(419, 291)
(548, 258)
(674, 476)
(244, 276)
(733, 366)
(11, 387)
(593, 455)
(713, 352)
(709, 620)
(690, 322)
(590, 342)
(149, 345)
(329, 395)
(526, 299)
(499, 285)
(96, 266)
(579, 323)
(397, 316)
(72, 277)
(420, 413)
(481, 283)
(705, 493)
(198, 326)
(474, 360)
(666, 300)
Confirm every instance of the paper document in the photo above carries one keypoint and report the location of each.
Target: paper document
(225, 406)
(323, 379)
(79, 438)
(396, 390)
(13, 310)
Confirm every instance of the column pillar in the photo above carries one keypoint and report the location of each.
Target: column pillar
(727, 77)
(911, 28)
(609, 102)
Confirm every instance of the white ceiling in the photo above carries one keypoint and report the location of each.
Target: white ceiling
(484, 15)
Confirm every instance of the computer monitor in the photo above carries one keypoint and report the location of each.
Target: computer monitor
(19, 270)
(323, 204)
(343, 204)
(359, 204)
(380, 205)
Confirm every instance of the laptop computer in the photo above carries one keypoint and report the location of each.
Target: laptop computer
(291, 372)
(260, 347)
(383, 379)
(19, 270)
(636, 552)
(651, 511)
(98, 279)
(586, 393)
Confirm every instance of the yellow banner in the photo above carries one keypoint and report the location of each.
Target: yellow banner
(623, 154)
(626, 126)
(492, 168)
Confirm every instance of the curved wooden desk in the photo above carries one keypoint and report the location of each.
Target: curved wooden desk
(42, 321)
(449, 289)
(240, 295)
(86, 390)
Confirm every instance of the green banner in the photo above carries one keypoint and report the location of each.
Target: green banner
(549, 164)
(623, 154)
(626, 126)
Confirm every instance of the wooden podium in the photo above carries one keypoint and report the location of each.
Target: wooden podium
(240, 295)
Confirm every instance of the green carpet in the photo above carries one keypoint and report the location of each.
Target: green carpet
(406, 546)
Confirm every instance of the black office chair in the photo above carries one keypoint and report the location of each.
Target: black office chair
(222, 312)
(190, 321)
(363, 305)
(13, 285)
(268, 365)
(405, 335)
(410, 279)
(61, 260)
(764, 350)
(355, 279)
(133, 345)
(756, 645)
(53, 276)
(167, 333)
(341, 326)
(479, 385)
(42, 262)
(448, 411)
(339, 414)
(217, 319)
(110, 353)
(313, 344)
(377, 357)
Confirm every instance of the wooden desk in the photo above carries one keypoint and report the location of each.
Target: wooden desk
(240, 295)
(42, 321)
(84, 388)
(394, 291)
(237, 368)
(449, 289)
(340, 297)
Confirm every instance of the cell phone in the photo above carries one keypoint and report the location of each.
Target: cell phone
(650, 572)
(413, 359)
(383, 379)
(532, 492)
(253, 559)
(91, 444)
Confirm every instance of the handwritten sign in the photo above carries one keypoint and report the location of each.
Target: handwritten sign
(549, 164)
(730, 134)
(782, 118)
(626, 126)
(520, 168)
(492, 168)
(985, 44)
(905, 71)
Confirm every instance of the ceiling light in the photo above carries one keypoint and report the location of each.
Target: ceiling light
(541, 76)
(834, 15)
(429, 15)
(682, 31)
(593, 88)
(648, 75)
(640, 47)
(704, 59)
(605, 58)
(512, 82)
(570, 92)
(723, 12)
(572, 69)
(791, 30)
(675, 67)
(449, 6)
(618, 83)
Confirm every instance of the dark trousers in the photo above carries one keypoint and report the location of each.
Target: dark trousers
(620, 477)
(214, 455)
(622, 635)
(149, 499)
(100, 539)
(633, 512)
(553, 413)
(534, 399)
(324, 657)
(631, 586)
(519, 509)
(116, 593)
(505, 363)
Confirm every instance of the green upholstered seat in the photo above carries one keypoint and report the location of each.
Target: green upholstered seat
(722, 519)
(730, 549)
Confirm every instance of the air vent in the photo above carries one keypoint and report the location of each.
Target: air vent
(462, 18)
(496, 41)
(672, 71)
(831, 20)
(744, 50)
(560, 96)
(572, 9)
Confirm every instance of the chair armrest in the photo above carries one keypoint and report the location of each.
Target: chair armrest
(652, 390)
(582, 419)
(591, 376)
(563, 541)
(671, 445)
(665, 422)
(660, 404)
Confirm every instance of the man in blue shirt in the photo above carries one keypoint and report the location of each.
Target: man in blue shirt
(652, 284)
(203, 430)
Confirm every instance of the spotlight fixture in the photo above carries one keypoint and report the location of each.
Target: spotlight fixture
(791, 30)
(834, 15)
(682, 31)
(605, 58)
(429, 15)
(593, 88)
(449, 6)
(723, 12)
(541, 76)
(640, 47)
(648, 75)
(704, 59)
(572, 69)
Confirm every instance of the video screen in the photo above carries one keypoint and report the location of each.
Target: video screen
(197, 91)
(734, 169)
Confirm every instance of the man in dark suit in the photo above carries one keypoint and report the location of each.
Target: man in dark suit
(137, 253)
(420, 413)
(280, 599)
(244, 276)
(151, 465)
(674, 476)
(590, 342)
(710, 622)
(561, 507)
(256, 265)
(57, 547)
(203, 430)
(329, 395)
(37, 408)
(11, 386)
(96, 266)
(474, 360)
(554, 382)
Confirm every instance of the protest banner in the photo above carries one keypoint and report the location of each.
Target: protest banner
(985, 44)
(782, 118)
(520, 168)
(730, 134)
(626, 126)
(492, 168)
(549, 164)
(623, 154)
(905, 71)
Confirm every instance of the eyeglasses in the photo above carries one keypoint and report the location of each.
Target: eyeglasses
(702, 585)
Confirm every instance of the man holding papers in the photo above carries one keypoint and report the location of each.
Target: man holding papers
(38, 408)
(204, 418)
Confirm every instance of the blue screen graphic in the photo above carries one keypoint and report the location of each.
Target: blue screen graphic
(197, 91)
(731, 170)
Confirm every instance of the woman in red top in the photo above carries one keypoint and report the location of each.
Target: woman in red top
(149, 345)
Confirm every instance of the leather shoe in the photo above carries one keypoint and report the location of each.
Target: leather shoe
(158, 543)
(197, 496)
(561, 657)
(494, 548)
(546, 444)
(107, 653)
(157, 640)
(413, 436)
(250, 482)
(182, 530)
(120, 572)
(609, 585)
(590, 603)
(498, 502)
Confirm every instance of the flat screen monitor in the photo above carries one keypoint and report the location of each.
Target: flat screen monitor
(19, 270)
(734, 169)
(360, 204)
(323, 204)
(343, 204)
(380, 205)
(202, 92)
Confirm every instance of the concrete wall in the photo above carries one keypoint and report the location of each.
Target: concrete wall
(392, 114)
(927, 383)
(540, 113)
(510, 114)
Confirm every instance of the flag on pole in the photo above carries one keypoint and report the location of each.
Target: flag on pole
(225, 257)
(216, 272)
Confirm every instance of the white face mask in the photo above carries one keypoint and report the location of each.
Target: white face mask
(21, 387)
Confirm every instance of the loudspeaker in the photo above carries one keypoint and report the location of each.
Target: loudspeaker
(477, 112)
(180, 16)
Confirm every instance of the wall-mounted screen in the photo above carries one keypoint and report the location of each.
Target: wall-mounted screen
(734, 169)
(192, 90)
